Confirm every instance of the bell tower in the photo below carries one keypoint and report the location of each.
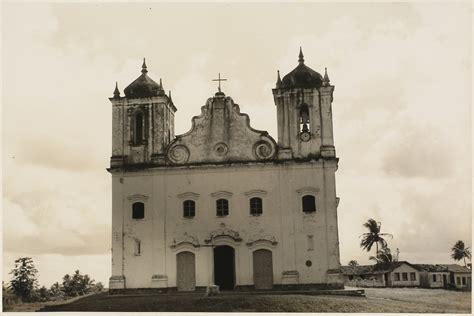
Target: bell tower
(304, 99)
(142, 122)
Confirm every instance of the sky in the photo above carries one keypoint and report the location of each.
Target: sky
(401, 112)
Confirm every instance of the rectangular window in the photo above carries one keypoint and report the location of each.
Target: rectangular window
(189, 208)
(310, 242)
(309, 204)
(397, 276)
(256, 206)
(404, 276)
(412, 276)
(138, 210)
(434, 277)
(463, 280)
(458, 280)
(138, 248)
(222, 207)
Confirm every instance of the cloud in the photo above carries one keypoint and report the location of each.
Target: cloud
(418, 152)
(58, 153)
(55, 211)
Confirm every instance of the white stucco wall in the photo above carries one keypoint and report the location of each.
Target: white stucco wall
(281, 187)
(439, 283)
(405, 269)
(458, 282)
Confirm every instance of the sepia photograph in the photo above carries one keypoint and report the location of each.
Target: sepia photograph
(244, 157)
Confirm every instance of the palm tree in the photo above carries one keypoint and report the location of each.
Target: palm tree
(460, 252)
(374, 236)
(383, 256)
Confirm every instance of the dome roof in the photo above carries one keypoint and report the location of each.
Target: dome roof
(302, 77)
(143, 86)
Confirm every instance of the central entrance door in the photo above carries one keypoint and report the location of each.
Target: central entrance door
(224, 267)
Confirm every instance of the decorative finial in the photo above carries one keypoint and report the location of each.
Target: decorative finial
(161, 84)
(144, 71)
(169, 96)
(326, 77)
(278, 84)
(116, 91)
(301, 57)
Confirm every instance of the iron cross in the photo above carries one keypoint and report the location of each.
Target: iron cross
(219, 81)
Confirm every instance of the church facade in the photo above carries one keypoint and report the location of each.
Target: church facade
(224, 203)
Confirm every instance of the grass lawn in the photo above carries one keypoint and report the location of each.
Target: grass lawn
(378, 300)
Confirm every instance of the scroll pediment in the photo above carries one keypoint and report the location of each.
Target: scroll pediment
(223, 232)
(265, 241)
(185, 240)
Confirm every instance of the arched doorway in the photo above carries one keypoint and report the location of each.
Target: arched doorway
(185, 271)
(262, 269)
(224, 267)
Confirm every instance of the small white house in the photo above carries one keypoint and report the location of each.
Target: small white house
(403, 274)
(394, 274)
(433, 275)
(459, 276)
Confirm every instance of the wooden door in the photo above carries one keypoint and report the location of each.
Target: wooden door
(186, 272)
(262, 269)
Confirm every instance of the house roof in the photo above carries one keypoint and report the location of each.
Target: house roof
(388, 267)
(431, 267)
(375, 269)
(457, 268)
(356, 270)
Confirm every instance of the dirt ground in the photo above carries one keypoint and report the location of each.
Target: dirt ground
(404, 300)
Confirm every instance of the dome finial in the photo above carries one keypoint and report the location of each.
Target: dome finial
(326, 77)
(278, 84)
(161, 84)
(169, 96)
(301, 57)
(116, 91)
(144, 70)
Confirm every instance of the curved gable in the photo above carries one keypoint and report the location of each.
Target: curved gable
(221, 134)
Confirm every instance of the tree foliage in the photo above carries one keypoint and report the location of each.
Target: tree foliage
(24, 285)
(43, 294)
(77, 284)
(353, 263)
(374, 236)
(460, 251)
(24, 281)
(56, 292)
(383, 256)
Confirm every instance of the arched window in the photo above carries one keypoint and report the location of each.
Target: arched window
(138, 132)
(222, 207)
(138, 210)
(304, 118)
(309, 204)
(189, 208)
(256, 206)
